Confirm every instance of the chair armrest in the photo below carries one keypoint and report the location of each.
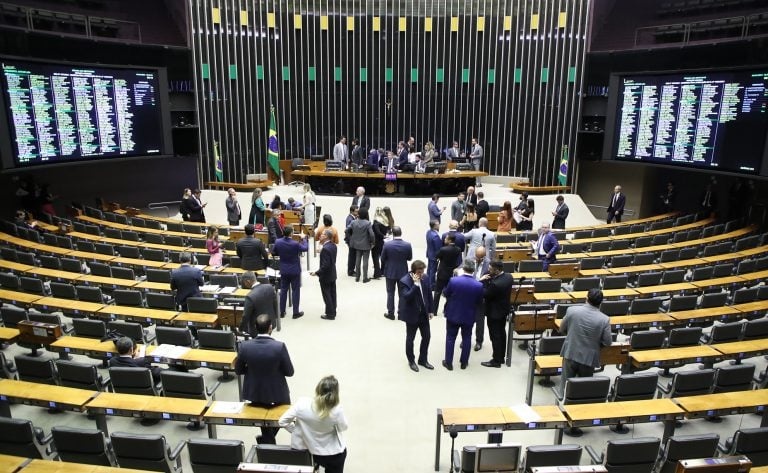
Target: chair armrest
(106, 382)
(47, 439)
(556, 392)
(597, 458)
(174, 454)
(251, 455)
(663, 388)
(211, 392)
(67, 329)
(704, 340)
(722, 448)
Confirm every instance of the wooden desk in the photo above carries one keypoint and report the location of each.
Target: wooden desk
(552, 297)
(550, 365)
(68, 305)
(721, 314)
(739, 402)
(676, 288)
(672, 357)
(36, 394)
(198, 358)
(248, 416)
(14, 267)
(625, 412)
(195, 319)
(8, 335)
(153, 407)
(55, 274)
(83, 346)
(683, 263)
(15, 297)
(481, 419)
(755, 277)
(104, 281)
(718, 282)
(83, 255)
(753, 309)
(607, 294)
(11, 463)
(620, 322)
(139, 263)
(153, 286)
(142, 315)
(743, 349)
(52, 466)
(586, 273)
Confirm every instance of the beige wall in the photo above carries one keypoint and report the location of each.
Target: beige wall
(596, 180)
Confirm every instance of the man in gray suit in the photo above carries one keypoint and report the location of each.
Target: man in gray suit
(262, 299)
(481, 236)
(476, 155)
(340, 150)
(586, 331)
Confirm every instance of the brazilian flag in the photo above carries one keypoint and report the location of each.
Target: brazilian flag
(273, 156)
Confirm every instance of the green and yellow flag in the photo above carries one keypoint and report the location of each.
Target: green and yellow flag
(219, 165)
(273, 150)
(562, 177)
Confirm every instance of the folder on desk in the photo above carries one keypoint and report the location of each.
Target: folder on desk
(169, 351)
(227, 290)
(225, 407)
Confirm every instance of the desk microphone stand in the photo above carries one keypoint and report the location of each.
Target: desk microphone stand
(532, 357)
(452, 432)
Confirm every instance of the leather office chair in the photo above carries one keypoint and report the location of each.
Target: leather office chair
(637, 228)
(174, 227)
(100, 269)
(647, 339)
(88, 446)
(668, 256)
(215, 455)
(550, 346)
(130, 235)
(158, 275)
(689, 252)
(627, 456)
(224, 280)
(154, 224)
(187, 386)
(585, 284)
(722, 333)
(755, 329)
(622, 230)
(36, 370)
(180, 336)
(174, 240)
(122, 272)
(113, 233)
(20, 438)
(713, 299)
(600, 246)
(146, 452)
(614, 307)
(615, 282)
(132, 330)
(155, 238)
(128, 297)
(7, 370)
(63, 290)
(197, 242)
(592, 263)
(722, 270)
(282, 455)
(91, 294)
(678, 303)
(133, 381)
(580, 234)
(750, 442)
(205, 305)
(26, 258)
(732, 378)
(9, 281)
(632, 387)
(684, 447)
(582, 391)
(32, 286)
(645, 306)
(86, 246)
(138, 222)
(126, 251)
(644, 258)
(157, 300)
(153, 254)
(673, 277)
(204, 259)
(617, 245)
(530, 266)
(642, 242)
(209, 339)
(551, 455)
(683, 337)
(547, 285)
(621, 261)
(50, 262)
(688, 383)
(649, 279)
(80, 375)
(746, 266)
(740, 296)
(104, 249)
(12, 315)
(8, 254)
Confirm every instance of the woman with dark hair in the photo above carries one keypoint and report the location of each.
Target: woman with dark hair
(382, 226)
(316, 425)
(469, 220)
(258, 209)
(526, 217)
(360, 235)
(505, 217)
(327, 225)
(184, 204)
(275, 203)
(214, 247)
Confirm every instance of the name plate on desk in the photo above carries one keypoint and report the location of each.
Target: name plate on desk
(572, 469)
(271, 468)
(390, 176)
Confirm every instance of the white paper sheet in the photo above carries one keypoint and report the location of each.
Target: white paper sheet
(525, 413)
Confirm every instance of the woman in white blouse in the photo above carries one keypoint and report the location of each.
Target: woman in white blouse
(308, 204)
(316, 425)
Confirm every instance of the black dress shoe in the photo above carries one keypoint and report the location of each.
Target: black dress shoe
(357, 278)
(478, 346)
(427, 365)
(447, 366)
(491, 364)
(298, 315)
(413, 367)
(328, 317)
(464, 366)
(389, 316)
(366, 280)
(282, 316)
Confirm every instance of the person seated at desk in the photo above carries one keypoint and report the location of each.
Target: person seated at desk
(454, 152)
(292, 204)
(127, 357)
(391, 163)
(372, 163)
(429, 154)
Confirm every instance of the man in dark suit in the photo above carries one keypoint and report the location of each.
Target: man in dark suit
(497, 287)
(471, 197)
(482, 267)
(252, 252)
(482, 207)
(127, 352)
(351, 217)
(360, 200)
(448, 259)
(265, 363)
(547, 246)
(274, 226)
(560, 213)
(616, 206)
(394, 265)
(414, 309)
(463, 295)
(186, 280)
(262, 299)
(195, 207)
(326, 274)
(289, 252)
(434, 243)
(458, 237)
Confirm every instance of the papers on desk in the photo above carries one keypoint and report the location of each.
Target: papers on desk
(209, 288)
(141, 351)
(272, 273)
(525, 413)
(227, 290)
(225, 407)
(169, 351)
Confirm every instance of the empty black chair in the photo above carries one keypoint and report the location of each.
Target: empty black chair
(645, 306)
(750, 442)
(89, 328)
(65, 242)
(746, 266)
(20, 438)
(50, 262)
(673, 277)
(63, 290)
(600, 246)
(36, 370)
(754, 329)
(90, 294)
(551, 455)
(138, 222)
(158, 275)
(714, 299)
(80, 375)
(88, 446)
(197, 243)
(722, 333)
(740, 296)
(100, 269)
(615, 282)
(122, 272)
(621, 261)
(203, 259)
(129, 235)
(592, 263)
(71, 265)
(87, 246)
(581, 234)
(722, 270)
(571, 248)
(642, 242)
(620, 245)
(209, 339)
(49, 239)
(133, 381)
(8, 254)
(585, 284)
(155, 238)
(610, 308)
(627, 456)
(132, 330)
(622, 230)
(644, 258)
(205, 305)
(112, 233)
(647, 339)
(173, 240)
(530, 266)
(154, 224)
(9, 281)
(126, 251)
(678, 303)
(12, 315)
(157, 300)
(632, 387)
(547, 285)
(187, 386)
(146, 452)
(282, 455)
(684, 336)
(224, 280)
(688, 383)
(584, 390)
(550, 346)
(104, 249)
(180, 336)
(689, 252)
(731, 378)
(26, 258)
(649, 279)
(684, 447)
(667, 256)
(214, 455)
(7, 370)
(32, 285)
(153, 254)
(128, 297)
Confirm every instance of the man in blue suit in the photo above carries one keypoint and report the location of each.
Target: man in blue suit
(458, 238)
(434, 243)
(326, 273)
(186, 280)
(463, 295)
(547, 246)
(289, 252)
(435, 212)
(414, 309)
(265, 363)
(394, 265)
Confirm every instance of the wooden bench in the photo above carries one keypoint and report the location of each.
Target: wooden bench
(248, 186)
(531, 190)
